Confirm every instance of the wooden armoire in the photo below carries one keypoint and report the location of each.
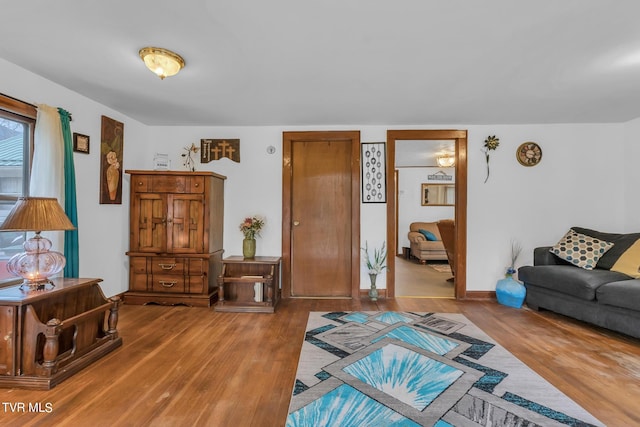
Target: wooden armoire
(175, 244)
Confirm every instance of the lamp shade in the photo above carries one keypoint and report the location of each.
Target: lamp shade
(36, 214)
(162, 62)
(38, 262)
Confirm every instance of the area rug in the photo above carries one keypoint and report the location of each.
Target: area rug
(418, 369)
(441, 268)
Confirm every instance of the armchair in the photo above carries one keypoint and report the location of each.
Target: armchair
(447, 230)
(424, 249)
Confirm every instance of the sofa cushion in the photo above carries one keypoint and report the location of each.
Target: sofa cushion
(629, 261)
(428, 235)
(581, 250)
(625, 294)
(568, 279)
(621, 242)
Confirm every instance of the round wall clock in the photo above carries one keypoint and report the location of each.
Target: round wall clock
(529, 154)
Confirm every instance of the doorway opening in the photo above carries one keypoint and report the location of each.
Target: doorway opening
(399, 266)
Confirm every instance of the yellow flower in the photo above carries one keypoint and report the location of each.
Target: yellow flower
(491, 143)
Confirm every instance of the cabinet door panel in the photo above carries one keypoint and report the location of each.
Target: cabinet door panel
(7, 337)
(149, 224)
(186, 223)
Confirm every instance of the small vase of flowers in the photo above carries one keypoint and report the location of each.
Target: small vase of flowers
(375, 264)
(250, 228)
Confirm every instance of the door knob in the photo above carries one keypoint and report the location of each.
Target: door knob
(296, 223)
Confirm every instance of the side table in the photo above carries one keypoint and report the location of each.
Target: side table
(249, 284)
(51, 334)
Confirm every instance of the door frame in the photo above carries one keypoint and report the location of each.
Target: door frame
(460, 139)
(288, 138)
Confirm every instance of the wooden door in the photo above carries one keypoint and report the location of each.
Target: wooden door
(185, 223)
(149, 223)
(322, 216)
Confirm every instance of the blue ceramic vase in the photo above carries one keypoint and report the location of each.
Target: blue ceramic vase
(509, 291)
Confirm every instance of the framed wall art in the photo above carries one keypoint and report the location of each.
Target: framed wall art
(80, 143)
(374, 172)
(529, 154)
(111, 148)
(438, 194)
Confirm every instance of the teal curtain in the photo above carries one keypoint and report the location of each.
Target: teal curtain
(70, 207)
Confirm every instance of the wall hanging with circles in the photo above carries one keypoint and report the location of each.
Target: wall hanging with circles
(374, 173)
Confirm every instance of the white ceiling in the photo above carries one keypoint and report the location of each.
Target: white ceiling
(330, 62)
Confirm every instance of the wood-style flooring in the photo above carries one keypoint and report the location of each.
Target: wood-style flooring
(183, 366)
(420, 280)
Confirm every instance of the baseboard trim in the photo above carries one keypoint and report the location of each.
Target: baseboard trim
(364, 293)
(470, 295)
(480, 295)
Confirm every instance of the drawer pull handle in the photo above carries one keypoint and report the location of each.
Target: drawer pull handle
(167, 266)
(167, 284)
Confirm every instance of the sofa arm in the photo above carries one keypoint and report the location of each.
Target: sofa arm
(416, 236)
(542, 256)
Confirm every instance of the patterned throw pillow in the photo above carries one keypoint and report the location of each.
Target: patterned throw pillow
(580, 250)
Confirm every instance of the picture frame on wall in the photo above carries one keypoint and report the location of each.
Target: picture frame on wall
(80, 143)
(111, 151)
(438, 194)
(374, 172)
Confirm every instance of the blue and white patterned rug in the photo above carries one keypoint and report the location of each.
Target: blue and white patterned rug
(418, 369)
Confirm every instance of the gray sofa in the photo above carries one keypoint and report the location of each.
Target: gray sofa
(602, 297)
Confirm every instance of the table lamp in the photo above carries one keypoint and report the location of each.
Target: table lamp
(37, 263)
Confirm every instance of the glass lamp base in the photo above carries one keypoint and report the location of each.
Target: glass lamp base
(37, 264)
(40, 285)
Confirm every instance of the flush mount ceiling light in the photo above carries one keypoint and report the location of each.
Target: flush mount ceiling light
(161, 62)
(446, 160)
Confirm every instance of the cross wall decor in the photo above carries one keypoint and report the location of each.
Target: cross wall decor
(216, 149)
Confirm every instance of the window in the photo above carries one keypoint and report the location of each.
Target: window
(17, 123)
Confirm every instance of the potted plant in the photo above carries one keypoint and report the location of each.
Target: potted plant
(375, 264)
(251, 227)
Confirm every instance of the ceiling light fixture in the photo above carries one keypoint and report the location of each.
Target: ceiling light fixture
(446, 160)
(161, 62)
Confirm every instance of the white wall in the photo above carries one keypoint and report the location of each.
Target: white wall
(630, 160)
(103, 230)
(577, 182)
(580, 181)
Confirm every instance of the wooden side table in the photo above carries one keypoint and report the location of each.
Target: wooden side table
(249, 285)
(51, 334)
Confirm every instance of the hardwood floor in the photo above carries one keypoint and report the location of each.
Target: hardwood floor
(184, 366)
(419, 280)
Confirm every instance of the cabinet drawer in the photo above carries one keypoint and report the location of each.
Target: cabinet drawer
(140, 184)
(167, 184)
(168, 265)
(196, 184)
(168, 283)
